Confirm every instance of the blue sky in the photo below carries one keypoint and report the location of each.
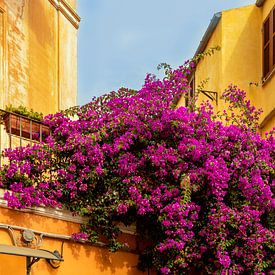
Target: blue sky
(120, 41)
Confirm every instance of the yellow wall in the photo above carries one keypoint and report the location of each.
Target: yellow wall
(79, 259)
(38, 60)
(72, 3)
(210, 68)
(38, 56)
(239, 61)
(67, 66)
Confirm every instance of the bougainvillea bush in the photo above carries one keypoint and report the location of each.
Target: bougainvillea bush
(199, 190)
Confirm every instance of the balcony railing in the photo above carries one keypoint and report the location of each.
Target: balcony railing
(21, 130)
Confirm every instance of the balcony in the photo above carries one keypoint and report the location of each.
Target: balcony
(18, 130)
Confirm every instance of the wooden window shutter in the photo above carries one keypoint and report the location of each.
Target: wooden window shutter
(266, 47)
(269, 44)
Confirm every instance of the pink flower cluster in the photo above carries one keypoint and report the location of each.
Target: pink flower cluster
(201, 193)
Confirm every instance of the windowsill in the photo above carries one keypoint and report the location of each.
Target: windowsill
(268, 77)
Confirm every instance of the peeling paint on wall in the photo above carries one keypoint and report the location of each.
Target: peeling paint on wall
(33, 58)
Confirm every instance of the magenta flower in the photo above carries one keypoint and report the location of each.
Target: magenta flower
(200, 193)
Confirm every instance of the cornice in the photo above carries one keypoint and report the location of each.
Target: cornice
(208, 33)
(60, 214)
(67, 11)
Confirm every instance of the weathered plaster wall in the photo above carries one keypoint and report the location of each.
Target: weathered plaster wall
(2, 56)
(17, 53)
(38, 54)
(241, 47)
(67, 64)
(43, 56)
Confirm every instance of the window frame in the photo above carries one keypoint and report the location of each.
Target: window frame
(191, 92)
(269, 43)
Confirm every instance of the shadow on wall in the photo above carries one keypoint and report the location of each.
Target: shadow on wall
(78, 258)
(102, 260)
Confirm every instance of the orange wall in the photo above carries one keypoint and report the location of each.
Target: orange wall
(79, 258)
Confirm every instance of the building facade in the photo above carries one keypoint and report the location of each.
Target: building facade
(38, 54)
(247, 56)
(38, 60)
(38, 69)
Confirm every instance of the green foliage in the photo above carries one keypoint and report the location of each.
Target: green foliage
(199, 192)
(22, 110)
(209, 52)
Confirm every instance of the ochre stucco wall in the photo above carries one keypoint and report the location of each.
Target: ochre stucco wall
(239, 61)
(67, 66)
(210, 67)
(42, 87)
(80, 259)
(38, 56)
(38, 60)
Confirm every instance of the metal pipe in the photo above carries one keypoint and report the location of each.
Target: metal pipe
(58, 236)
(10, 129)
(31, 132)
(45, 234)
(12, 236)
(20, 127)
(28, 265)
(40, 130)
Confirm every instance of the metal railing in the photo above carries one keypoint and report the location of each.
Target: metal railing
(21, 129)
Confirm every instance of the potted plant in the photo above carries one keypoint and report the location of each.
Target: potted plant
(25, 123)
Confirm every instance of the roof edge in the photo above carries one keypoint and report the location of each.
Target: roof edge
(259, 3)
(208, 33)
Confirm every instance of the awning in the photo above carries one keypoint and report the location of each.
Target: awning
(28, 252)
(32, 255)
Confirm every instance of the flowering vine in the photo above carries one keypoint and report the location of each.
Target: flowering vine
(200, 192)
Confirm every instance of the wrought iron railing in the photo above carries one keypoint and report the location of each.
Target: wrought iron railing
(20, 129)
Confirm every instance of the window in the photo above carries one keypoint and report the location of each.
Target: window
(269, 44)
(191, 92)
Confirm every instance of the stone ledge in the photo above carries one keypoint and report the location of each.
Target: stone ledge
(60, 214)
